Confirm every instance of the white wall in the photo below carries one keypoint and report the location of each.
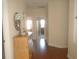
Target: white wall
(72, 40)
(9, 8)
(6, 30)
(36, 11)
(58, 23)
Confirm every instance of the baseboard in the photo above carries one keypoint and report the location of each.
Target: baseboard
(58, 46)
(69, 57)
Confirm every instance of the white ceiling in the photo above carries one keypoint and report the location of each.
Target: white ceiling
(37, 3)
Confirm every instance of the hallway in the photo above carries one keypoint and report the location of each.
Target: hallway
(43, 51)
(60, 30)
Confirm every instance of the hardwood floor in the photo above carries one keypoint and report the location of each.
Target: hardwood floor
(43, 51)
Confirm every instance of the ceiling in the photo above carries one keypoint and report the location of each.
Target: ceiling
(37, 3)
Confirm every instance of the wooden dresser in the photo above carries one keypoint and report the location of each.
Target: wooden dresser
(21, 48)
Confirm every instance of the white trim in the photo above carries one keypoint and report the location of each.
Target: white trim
(58, 46)
(69, 57)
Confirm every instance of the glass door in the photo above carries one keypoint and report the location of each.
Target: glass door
(36, 27)
(29, 26)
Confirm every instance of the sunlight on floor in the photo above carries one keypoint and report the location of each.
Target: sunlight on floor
(30, 43)
(42, 43)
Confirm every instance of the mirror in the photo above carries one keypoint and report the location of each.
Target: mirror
(17, 21)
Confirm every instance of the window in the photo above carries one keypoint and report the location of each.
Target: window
(29, 23)
(42, 23)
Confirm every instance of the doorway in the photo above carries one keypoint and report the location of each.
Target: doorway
(36, 27)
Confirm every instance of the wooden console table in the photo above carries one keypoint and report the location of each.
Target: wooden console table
(21, 48)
